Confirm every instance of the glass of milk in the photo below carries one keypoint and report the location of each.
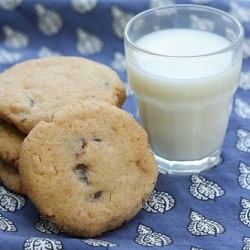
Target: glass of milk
(183, 65)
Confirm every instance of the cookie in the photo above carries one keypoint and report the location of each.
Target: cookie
(10, 178)
(31, 91)
(89, 170)
(10, 142)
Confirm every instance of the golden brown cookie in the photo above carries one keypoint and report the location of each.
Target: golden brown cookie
(11, 178)
(31, 91)
(10, 142)
(89, 170)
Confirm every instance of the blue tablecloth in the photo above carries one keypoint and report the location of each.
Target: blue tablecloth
(206, 211)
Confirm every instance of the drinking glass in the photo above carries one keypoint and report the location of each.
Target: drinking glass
(183, 65)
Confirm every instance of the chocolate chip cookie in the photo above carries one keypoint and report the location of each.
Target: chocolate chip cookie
(89, 170)
(10, 142)
(31, 91)
(11, 178)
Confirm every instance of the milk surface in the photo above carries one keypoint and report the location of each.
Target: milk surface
(184, 99)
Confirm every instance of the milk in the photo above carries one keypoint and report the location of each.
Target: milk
(184, 99)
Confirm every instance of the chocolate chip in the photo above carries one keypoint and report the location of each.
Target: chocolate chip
(82, 173)
(32, 103)
(84, 142)
(97, 195)
(97, 139)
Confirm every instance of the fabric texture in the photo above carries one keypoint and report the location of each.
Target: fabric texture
(200, 212)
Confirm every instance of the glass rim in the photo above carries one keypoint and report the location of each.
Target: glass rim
(184, 6)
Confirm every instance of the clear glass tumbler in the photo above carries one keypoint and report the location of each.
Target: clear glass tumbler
(183, 65)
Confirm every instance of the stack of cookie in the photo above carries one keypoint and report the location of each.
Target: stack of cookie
(65, 142)
(32, 91)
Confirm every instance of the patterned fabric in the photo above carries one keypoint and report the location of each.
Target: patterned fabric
(199, 212)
